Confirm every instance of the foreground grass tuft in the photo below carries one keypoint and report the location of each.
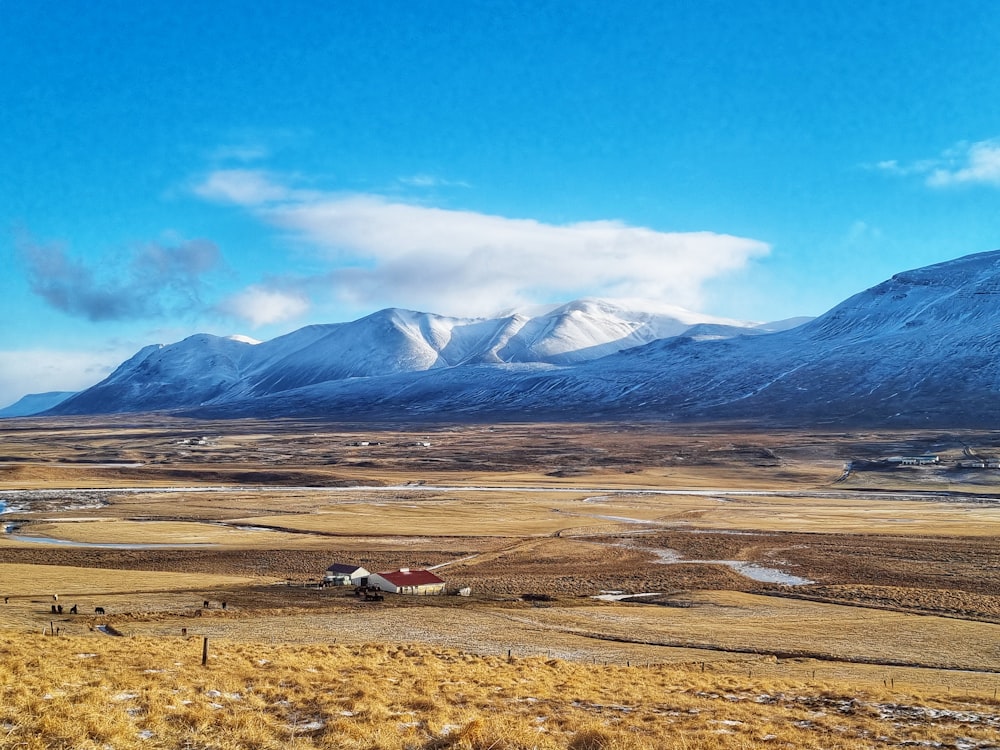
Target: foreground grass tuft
(98, 693)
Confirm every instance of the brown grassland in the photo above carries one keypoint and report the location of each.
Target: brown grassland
(777, 599)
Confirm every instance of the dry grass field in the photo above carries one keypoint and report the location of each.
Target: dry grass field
(154, 692)
(759, 559)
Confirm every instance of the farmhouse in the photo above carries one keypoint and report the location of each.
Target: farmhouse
(406, 581)
(925, 460)
(340, 574)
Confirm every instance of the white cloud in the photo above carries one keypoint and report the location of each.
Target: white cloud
(963, 164)
(978, 163)
(42, 370)
(260, 306)
(462, 262)
(245, 187)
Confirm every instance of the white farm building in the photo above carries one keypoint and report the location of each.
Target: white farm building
(406, 581)
(340, 574)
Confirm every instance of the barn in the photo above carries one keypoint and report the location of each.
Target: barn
(340, 574)
(406, 581)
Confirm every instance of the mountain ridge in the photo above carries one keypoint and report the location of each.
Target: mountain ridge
(921, 348)
(202, 369)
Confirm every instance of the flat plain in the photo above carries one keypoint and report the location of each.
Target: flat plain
(758, 554)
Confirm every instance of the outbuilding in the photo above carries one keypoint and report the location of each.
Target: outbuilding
(341, 574)
(406, 581)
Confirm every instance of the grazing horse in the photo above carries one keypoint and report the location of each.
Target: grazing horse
(98, 610)
(72, 610)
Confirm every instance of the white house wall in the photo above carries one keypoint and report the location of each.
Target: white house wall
(379, 582)
(428, 589)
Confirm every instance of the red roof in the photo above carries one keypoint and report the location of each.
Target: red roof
(411, 577)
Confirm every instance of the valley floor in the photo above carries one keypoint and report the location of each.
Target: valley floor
(751, 556)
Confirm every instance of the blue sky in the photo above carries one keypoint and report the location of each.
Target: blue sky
(172, 168)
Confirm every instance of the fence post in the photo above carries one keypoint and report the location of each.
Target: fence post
(204, 652)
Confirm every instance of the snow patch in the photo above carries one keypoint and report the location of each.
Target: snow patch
(243, 339)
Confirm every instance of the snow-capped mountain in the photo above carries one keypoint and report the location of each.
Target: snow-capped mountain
(922, 348)
(205, 369)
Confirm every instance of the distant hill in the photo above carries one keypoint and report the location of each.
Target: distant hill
(35, 403)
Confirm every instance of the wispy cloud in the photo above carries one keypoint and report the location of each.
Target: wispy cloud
(962, 164)
(260, 305)
(430, 181)
(861, 231)
(241, 152)
(157, 279)
(384, 252)
(246, 187)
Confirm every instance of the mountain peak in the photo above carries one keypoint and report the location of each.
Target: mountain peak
(918, 349)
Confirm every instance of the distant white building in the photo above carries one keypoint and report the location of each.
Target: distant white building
(914, 460)
(406, 581)
(340, 574)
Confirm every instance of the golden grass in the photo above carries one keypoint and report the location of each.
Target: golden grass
(767, 624)
(23, 581)
(852, 516)
(716, 626)
(514, 513)
(468, 514)
(29, 591)
(91, 693)
(103, 531)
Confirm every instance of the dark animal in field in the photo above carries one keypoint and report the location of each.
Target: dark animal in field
(55, 597)
(72, 610)
(59, 608)
(54, 610)
(223, 605)
(98, 610)
(206, 604)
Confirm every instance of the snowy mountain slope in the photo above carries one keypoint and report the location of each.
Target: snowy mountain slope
(922, 348)
(166, 377)
(590, 328)
(206, 369)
